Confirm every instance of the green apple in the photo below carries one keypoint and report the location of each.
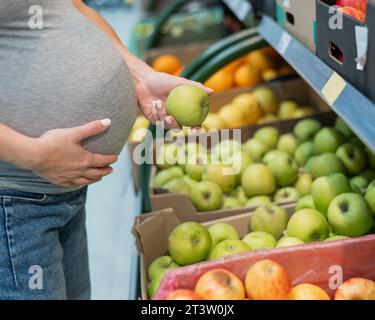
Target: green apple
(239, 162)
(326, 164)
(240, 194)
(360, 182)
(371, 159)
(207, 196)
(220, 174)
(350, 215)
(260, 240)
(226, 149)
(164, 176)
(268, 135)
(310, 163)
(327, 140)
(325, 189)
(270, 155)
(288, 242)
(189, 105)
(177, 186)
(161, 266)
(193, 153)
(336, 237)
(154, 286)
(287, 108)
(190, 182)
(195, 171)
(231, 203)
(258, 201)
(304, 152)
(287, 194)
(306, 202)
(220, 232)
(267, 100)
(228, 248)
(256, 149)
(189, 243)
(355, 188)
(284, 169)
(304, 184)
(370, 196)
(353, 158)
(368, 174)
(288, 143)
(258, 180)
(343, 128)
(167, 155)
(308, 225)
(306, 129)
(272, 219)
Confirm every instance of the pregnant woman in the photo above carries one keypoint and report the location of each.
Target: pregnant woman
(69, 91)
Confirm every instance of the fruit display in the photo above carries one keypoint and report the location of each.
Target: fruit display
(354, 8)
(168, 63)
(268, 280)
(311, 165)
(250, 70)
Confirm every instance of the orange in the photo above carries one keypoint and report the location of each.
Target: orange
(233, 66)
(247, 76)
(220, 81)
(179, 71)
(167, 63)
(260, 60)
(267, 280)
(308, 291)
(269, 74)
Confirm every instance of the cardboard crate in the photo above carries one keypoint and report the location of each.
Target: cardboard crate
(298, 18)
(151, 232)
(339, 47)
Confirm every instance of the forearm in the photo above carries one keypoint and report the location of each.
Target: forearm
(16, 148)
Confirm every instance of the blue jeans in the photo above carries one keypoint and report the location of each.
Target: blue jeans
(43, 246)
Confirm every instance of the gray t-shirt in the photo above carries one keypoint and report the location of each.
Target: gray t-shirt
(66, 74)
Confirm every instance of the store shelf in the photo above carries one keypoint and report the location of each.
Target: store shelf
(349, 103)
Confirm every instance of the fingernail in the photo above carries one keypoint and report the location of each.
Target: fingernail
(168, 121)
(210, 90)
(154, 103)
(106, 122)
(159, 105)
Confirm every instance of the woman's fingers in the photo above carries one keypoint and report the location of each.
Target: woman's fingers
(95, 174)
(161, 110)
(171, 123)
(101, 161)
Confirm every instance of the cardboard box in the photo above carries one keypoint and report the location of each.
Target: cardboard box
(306, 263)
(298, 18)
(339, 46)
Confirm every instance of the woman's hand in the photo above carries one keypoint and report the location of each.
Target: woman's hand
(59, 158)
(153, 89)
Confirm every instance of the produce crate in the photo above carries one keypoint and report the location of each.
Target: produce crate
(307, 263)
(344, 48)
(299, 18)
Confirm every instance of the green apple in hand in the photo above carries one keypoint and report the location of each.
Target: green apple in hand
(256, 149)
(288, 242)
(207, 196)
(164, 176)
(350, 215)
(308, 225)
(189, 243)
(306, 202)
(228, 248)
(258, 179)
(326, 164)
(287, 194)
(304, 152)
(353, 158)
(327, 140)
(304, 184)
(325, 189)
(220, 232)
(370, 196)
(160, 266)
(260, 240)
(189, 105)
(288, 143)
(231, 203)
(220, 174)
(285, 170)
(258, 201)
(306, 129)
(268, 135)
(271, 219)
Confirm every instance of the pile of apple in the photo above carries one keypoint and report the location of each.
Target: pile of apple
(354, 8)
(273, 168)
(260, 106)
(268, 280)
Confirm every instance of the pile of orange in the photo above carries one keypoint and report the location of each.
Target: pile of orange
(249, 71)
(168, 63)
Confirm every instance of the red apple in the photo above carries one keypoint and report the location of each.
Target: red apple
(356, 289)
(184, 295)
(220, 284)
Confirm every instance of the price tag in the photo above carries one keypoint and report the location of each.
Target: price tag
(284, 43)
(241, 8)
(333, 88)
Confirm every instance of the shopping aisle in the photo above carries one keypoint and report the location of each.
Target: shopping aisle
(111, 208)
